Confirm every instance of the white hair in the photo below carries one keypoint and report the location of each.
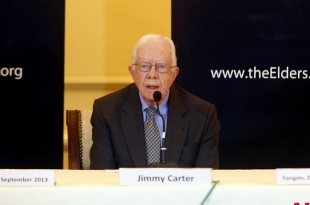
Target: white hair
(148, 37)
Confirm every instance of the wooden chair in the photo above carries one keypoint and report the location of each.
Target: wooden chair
(79, 138)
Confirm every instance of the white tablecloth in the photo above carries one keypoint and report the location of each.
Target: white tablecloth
(90, 187)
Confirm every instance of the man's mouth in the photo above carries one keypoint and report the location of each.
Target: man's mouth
(153, 87)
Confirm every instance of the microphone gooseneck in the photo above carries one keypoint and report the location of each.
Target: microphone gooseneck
(157, 97)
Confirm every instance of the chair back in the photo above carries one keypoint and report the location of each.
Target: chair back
(79, 138)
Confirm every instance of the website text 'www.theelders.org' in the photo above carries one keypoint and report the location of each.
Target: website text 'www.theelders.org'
(256, 73)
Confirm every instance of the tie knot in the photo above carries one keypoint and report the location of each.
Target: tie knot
(151, 110)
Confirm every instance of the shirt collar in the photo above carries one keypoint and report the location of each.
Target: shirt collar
(163, 107)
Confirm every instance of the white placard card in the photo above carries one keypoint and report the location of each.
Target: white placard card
(13, 177)
(293, 176)
(165, 176)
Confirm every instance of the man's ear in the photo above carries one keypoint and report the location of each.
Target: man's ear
(176, 72)
(131, 70)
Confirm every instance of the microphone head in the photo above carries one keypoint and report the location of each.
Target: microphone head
(157, 96)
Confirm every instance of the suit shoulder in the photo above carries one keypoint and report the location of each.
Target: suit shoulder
(115, 98)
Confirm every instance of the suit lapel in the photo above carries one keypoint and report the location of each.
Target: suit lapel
(132, 125)
(177, 127)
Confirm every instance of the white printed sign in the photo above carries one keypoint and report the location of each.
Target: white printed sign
(12, 177)
(165, 176)
(293, 176)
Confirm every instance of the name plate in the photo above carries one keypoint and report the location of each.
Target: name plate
(293, 176)
(165, 176)
(23, 178)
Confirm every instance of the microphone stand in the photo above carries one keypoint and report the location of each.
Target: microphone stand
(163, 149)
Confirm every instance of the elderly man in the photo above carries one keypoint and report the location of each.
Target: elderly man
(124, 133)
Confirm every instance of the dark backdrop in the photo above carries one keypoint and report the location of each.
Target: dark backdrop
(32, 38)
(265, 122)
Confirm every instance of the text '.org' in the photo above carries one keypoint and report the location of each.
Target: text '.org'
(12, 72)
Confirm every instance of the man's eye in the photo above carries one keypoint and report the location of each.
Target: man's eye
(145, 66)
(161, 66)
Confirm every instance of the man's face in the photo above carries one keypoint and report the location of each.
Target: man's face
(154, 51)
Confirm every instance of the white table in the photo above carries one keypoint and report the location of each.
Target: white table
(92, 187)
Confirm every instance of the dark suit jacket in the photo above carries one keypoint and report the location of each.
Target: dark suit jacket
(192, 134)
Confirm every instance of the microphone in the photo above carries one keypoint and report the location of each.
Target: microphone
(157, 97)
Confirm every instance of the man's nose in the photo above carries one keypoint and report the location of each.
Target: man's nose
(152, 73)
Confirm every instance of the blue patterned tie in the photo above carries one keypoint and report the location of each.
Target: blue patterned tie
(151, 136)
